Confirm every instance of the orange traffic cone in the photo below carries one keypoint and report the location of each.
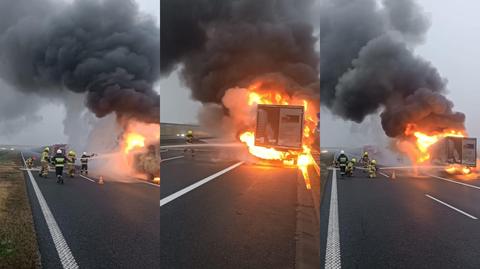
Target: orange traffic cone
(393, 175)
(100, 180)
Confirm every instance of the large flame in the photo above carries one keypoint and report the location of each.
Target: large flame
(420, 154)
(278, 97)
(133, 141)
(423, 140)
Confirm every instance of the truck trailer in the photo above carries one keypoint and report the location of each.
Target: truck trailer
(280, 127)
(455, 151)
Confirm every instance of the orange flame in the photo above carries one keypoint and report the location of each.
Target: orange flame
(424, 141)
(279, 97)
(133, 141)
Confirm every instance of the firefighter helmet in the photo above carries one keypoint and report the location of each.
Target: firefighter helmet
(46, 149)
(374, 162)
(59, 151)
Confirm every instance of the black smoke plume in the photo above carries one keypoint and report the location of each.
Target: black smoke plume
(221, 44)
(368, 64)
(106, 49)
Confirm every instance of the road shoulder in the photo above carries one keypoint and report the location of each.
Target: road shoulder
(18, 241)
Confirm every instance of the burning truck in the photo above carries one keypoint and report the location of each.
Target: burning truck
(280, 127)
(450, 148)
(459, 154)
(148, 163)
(140, 145)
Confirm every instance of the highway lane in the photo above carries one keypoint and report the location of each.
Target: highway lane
(115, 225)
(244, 218)
(407, 222)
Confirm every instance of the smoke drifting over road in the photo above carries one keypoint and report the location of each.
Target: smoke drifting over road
(106, 49)
(368, 64)
(230, 43)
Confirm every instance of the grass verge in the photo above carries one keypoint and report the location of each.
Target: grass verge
(18, 242)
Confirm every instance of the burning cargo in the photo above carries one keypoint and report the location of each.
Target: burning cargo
(452, 150)
(148, 163)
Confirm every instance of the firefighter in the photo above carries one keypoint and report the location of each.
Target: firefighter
(59, 161)
(84, 161)
(354, 162)
(372, 169)
(189, 140)
(365, 160)
(349, 168)
(72, 157)
(29, 162)
(44, 160)
(342, 161)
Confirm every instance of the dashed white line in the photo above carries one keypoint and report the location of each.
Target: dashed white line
(383, 174)
(171, 158)
(66, 257)
(181, 192)
(332, 255)
(453, 181)
(450, 206)
(87, 178)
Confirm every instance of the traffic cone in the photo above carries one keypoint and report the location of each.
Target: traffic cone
(393, 175)
(100, 180)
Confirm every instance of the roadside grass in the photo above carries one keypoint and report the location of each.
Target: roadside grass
(18, 242)
(326, 160)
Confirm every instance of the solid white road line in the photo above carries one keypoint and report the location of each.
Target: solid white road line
(332, 255)
(87, 178)
(172, 158)
(453, 181)
(450, 206)
(181, 192)
(66, 257)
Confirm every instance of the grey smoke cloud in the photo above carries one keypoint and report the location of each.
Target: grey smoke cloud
(105, 49)
(368, 65)
(230, 43)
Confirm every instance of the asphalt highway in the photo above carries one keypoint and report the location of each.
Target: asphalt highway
(219, 212)
(425, 221)
(89, 225)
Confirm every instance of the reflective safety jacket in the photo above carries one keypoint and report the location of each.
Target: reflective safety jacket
(189, 138)
(84, 158)
(59, 160)
(71, 157)
(342, 160)
(45, 157)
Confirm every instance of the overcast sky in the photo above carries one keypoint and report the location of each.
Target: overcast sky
(451, 45)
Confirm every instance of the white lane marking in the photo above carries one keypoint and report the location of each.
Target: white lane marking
(181, 192)
(66, 257)
(383, 174)
(87, 178)
(453, 181)
(172, 158)
(452, 207)
(332, 255)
